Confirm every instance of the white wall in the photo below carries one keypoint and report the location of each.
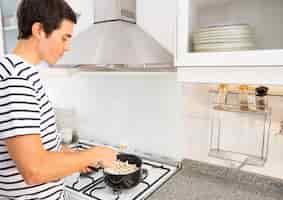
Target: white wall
(139, 109)
(158, 19)
(196, 116)
(86, 12)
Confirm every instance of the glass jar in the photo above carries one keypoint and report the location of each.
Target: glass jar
(243, 97)
(261, 97)
(222, 95)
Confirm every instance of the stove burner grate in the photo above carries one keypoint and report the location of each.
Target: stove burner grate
(97, 185)
(92, 189)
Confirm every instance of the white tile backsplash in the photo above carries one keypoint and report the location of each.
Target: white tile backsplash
(142, 110)
(154, 113)
(197, 117)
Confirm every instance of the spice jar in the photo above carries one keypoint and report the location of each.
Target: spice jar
(222, 95)
(261, 97)
(243, 97)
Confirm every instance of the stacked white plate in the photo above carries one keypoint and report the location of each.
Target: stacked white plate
(234, 37)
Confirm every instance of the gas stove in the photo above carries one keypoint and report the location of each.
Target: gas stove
(91, 186)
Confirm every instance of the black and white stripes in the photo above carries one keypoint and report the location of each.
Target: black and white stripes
(24, 109)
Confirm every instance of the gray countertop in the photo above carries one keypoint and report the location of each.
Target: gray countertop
(201, 181)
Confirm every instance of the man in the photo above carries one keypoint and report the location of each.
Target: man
(32, 161)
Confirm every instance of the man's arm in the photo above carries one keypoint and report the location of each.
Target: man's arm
(40, 166)
(65, 148)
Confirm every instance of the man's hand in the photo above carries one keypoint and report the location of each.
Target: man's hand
(64, 148)
(104, 156)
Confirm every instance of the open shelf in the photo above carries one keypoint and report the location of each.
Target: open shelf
(239, 134)
(262, 17)
(237, 157)
(265, 21)
(234, 91)
(236, 108)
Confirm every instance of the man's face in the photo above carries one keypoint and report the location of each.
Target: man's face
(52, 48)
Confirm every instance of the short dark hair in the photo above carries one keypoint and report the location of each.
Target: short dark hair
(50, 13)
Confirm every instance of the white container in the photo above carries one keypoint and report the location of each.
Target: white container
(66, 121)
(67, 135)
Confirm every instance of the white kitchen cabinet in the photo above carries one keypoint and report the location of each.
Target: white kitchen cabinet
(158, 22)
(262, 65)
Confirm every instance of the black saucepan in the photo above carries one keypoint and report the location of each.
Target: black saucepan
(126, 181)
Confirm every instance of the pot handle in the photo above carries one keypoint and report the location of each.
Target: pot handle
(144, 173)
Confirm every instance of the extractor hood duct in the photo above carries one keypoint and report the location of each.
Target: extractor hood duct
(116, 40)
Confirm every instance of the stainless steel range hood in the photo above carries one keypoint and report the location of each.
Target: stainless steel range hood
(116, 42)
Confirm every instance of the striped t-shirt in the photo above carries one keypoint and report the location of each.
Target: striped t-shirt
(24, 109)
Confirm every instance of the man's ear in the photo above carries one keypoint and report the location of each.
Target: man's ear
(37, 30)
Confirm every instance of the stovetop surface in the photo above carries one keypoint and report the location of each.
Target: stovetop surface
(91, 186)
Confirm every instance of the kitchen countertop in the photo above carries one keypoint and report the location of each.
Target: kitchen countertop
(202, 181)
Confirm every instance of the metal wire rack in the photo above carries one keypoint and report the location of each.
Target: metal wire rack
(237, 135)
